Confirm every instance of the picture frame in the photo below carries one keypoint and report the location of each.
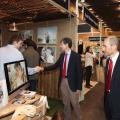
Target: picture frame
(26, 34)
(47, 35)
(3, 93)
(0, 37)
(47, 54)
(16, 75)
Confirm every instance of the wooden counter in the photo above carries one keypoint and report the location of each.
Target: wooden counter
(10, 108)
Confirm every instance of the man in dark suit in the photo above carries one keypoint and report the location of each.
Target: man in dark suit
(70, 80)
(112, 81)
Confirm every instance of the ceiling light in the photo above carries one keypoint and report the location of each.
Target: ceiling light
(105, 26)
(13, 27)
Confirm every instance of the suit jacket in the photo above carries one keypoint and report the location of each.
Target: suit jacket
(74, 71)
(115, 84)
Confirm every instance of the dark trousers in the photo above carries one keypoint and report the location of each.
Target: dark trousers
(111, 112)
(108, 106)
(33, 84)
(88, 75)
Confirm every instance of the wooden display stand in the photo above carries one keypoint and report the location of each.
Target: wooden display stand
(7, 111)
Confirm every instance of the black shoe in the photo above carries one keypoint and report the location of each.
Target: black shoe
(90, 85)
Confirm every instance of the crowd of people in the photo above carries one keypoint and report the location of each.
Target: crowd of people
(71, 73)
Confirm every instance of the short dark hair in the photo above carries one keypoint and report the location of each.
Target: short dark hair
(30, 42)
(68, 41)
(15, 38)
(87, 49)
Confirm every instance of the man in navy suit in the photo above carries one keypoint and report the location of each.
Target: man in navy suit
(70, 83)
(112, 90)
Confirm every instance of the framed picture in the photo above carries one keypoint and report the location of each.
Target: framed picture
(3, 93)
(0, 43)
(0, 38)
(47, 35)
(26, 34)
(47, 54)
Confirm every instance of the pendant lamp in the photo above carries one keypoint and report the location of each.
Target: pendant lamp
(13, 27)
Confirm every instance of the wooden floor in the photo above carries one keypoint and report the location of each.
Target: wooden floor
(92, 107)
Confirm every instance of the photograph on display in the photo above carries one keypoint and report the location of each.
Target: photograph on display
(16, 74)
(26, 34)
(47, 54)
(1, 93)
(0, 43)
(0, 38)
(47, 35)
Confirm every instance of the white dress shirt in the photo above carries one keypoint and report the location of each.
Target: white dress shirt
(114, 59)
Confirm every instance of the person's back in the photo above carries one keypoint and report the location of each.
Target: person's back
(32, 58)
(5, 57)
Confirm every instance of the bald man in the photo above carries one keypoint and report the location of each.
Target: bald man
(112, 79)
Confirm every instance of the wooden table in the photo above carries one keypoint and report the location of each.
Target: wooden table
(6, 111)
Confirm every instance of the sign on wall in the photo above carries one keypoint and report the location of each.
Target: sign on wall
(95, 39)
(89, 18)
(83, 28)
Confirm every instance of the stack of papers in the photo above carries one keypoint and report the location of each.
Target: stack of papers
(28, 93)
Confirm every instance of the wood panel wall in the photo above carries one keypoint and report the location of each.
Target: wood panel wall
(48, 84)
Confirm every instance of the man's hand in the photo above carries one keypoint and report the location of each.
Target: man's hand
(78, 91)
(39, 68)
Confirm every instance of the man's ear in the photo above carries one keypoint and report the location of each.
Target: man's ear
(67, 44)
(14, 43)
(114, 47)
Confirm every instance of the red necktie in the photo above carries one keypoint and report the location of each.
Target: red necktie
(109, 75)
(64, 67)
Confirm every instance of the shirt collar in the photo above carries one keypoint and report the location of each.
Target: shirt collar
(10, 45)
(69, 52)
(115, 57)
